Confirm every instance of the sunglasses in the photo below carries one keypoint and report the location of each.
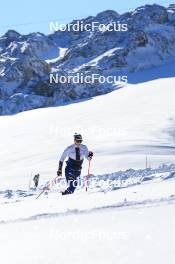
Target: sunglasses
(78, 140)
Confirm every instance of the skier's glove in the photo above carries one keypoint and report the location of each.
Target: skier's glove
(59, 172)
(90, 155)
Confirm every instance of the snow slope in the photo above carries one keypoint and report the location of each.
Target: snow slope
(136, 238)
(130, 223)
(121, 127)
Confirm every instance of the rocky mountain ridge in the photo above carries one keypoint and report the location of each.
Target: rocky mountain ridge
(26, 61)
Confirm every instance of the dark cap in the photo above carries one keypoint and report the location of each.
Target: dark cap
(78, 137)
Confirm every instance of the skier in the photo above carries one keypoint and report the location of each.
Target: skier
(75, 153)
(36, 180)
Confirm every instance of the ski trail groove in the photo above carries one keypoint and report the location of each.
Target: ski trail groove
(120, 206)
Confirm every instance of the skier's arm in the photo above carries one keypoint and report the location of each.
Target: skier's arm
(65, 154)
(63, 157)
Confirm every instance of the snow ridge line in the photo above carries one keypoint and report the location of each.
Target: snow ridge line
(120, 177)
(121, 205)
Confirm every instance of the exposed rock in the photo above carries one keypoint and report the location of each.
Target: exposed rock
(27, 60)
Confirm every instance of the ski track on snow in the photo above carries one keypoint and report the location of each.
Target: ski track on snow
(120, 206)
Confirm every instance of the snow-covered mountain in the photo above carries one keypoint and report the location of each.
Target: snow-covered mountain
(27, 60)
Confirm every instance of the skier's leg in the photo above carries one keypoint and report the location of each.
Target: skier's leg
(72, 180)
(68, 175)
(67, 171)
(72, 185)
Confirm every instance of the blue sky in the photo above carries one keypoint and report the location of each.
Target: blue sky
(34, 15)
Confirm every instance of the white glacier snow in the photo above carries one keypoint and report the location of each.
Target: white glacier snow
(132, 222)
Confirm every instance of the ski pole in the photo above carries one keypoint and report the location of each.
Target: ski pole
(87, 177)
(50, 184)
